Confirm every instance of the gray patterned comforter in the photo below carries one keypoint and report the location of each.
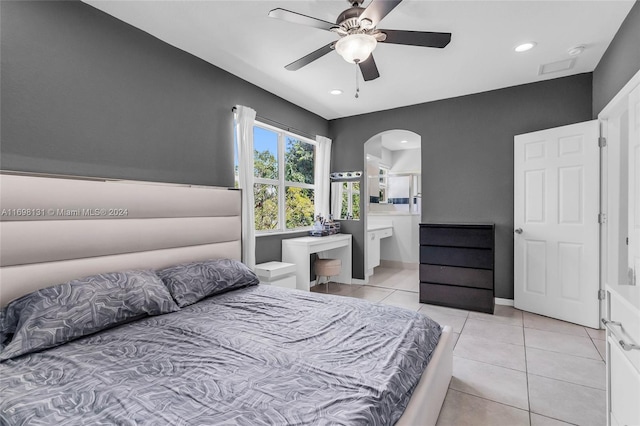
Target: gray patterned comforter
(256, 356)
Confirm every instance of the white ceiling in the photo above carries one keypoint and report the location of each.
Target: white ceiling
(239, 37)
(397, 140)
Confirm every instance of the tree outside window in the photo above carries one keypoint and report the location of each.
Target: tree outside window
(283, 190)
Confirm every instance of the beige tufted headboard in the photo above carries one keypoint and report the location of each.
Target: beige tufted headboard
(56, 229)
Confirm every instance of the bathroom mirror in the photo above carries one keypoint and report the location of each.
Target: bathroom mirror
(393, 173)
(345, 195)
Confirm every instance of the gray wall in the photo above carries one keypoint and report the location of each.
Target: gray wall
(86, 94)
(467, 153)
(619, 63)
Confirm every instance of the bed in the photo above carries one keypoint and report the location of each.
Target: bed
(246, 354)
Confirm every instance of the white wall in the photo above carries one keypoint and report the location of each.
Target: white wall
(386, 157)
(408, 160)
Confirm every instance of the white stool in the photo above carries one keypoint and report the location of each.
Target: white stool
(279, 274)
(327, 268)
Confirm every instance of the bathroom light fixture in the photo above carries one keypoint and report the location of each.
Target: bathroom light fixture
(356, 48)
(525, 46)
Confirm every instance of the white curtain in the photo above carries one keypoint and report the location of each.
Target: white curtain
(321, 178)
(245, 118)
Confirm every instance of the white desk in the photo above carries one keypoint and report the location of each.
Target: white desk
(298, 251)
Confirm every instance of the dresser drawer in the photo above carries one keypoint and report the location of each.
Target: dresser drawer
(465, 277)
(457, 256)
(457, 237)
(457, 297)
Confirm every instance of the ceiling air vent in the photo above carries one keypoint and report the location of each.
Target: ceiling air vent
(565, 65)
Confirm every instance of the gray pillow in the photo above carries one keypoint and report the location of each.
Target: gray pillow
(191, 282)
(55, 315)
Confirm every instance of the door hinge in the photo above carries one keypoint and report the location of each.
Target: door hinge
(601, 295)
(602, 218)
(602, 141)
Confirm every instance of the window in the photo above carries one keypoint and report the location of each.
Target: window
(383, 178)
(283, 179)
(350, 208)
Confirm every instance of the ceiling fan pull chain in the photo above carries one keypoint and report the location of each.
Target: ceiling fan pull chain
(357, 86)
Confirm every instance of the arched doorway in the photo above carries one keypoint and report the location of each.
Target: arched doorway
(392, 198)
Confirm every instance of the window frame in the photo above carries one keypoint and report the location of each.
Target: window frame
(383, 180)
(281, 184)
(349, 193)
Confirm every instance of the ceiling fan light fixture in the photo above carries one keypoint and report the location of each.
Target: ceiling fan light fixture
(356, 48)
(366, 24)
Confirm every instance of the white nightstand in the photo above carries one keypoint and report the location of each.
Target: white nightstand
(280, 274)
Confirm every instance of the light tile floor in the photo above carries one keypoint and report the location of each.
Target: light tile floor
(511, 368)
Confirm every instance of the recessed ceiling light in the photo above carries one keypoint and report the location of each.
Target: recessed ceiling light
(525, 46)
(336, 92)
(404, 141)
(574, 51)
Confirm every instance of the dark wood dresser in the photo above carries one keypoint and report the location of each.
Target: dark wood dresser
(456, 265)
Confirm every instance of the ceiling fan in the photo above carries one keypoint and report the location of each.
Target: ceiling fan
(359, 36)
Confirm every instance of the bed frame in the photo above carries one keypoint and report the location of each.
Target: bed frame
(54, 229)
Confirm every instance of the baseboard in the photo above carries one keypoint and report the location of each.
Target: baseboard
(398, 264)
(504, 302)
(359, 281)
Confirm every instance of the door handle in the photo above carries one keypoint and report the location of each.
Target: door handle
(518, 231)
(609, 325)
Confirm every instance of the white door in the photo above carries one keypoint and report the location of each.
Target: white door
(556, 226)
(634, 193)
(621, 260)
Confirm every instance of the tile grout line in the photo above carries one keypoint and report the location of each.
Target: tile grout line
(566, 381)
(494, 365)
(464, 324)
(490, 400)
(496, 322)
(553, 418)
(598, 350)
(559, 332)
(564, 353)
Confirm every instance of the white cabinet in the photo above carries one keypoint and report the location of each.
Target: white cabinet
(623, 360)
(373, 246)
(373, 250)
(279, 274)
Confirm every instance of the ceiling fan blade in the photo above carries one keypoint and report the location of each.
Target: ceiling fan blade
(369, 69)
(298, 18)
(306, 60)
(417, 38)
(378, 9)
